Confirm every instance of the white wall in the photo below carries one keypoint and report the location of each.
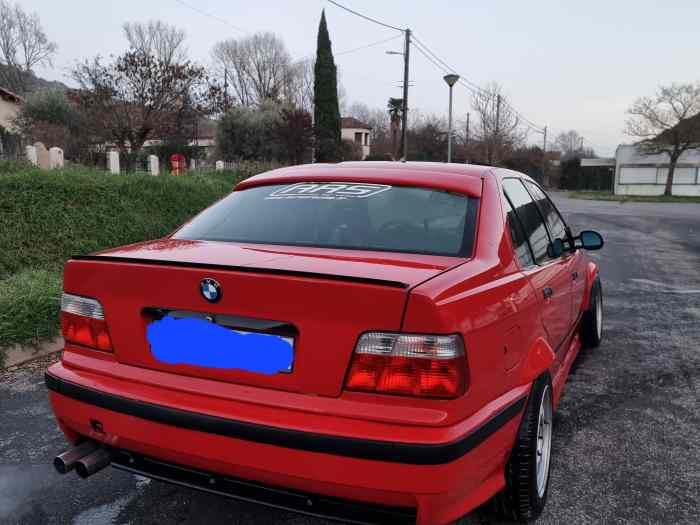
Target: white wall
(8, 112)
(349, 134)
(640, 174)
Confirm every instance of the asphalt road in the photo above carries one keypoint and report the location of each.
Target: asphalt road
(626, 435)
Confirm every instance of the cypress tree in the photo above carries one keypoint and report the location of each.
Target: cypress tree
(326, 108)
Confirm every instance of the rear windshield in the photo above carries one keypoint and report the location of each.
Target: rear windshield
(342, 215)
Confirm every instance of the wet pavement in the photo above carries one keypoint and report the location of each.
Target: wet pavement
(626, 436)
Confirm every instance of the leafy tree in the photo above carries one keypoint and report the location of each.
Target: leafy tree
(326, 108)
(49, 116)
(250, 134)
(571, 173)
(295, 134)
(428, 140)
(395, 107)
(667, 123)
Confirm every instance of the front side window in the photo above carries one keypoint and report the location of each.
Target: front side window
(342, 215)
(529, 216)
(557, 228)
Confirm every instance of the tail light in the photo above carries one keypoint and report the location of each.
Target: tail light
(409, 364)
(83, 322)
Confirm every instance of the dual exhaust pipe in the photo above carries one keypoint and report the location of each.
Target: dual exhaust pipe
(86, 458)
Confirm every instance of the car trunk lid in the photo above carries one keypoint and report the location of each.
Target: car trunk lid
(323, 299)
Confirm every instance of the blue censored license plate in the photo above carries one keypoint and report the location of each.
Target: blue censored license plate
(197, 342)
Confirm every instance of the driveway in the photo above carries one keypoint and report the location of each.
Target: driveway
(626, 435)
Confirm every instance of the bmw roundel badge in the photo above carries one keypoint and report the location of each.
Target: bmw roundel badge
(210, 290)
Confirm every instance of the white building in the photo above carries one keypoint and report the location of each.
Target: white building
(10, 105)
(358, 132)
(637, 173)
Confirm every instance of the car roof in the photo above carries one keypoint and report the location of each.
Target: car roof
(460, 178)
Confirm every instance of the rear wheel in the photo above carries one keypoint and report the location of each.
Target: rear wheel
(527, 471)
(592, 321)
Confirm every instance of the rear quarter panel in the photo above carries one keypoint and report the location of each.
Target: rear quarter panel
(490, 302)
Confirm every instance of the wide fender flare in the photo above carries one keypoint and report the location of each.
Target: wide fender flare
(537, 361)
(591, 275)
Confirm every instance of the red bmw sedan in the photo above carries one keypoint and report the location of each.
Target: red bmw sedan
(369, 342)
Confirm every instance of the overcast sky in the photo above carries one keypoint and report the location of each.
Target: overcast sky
(565, 64)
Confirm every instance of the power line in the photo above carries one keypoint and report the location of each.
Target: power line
(374, 20)
(464, 81)
(446, 67)
(213, 17)
(383, 41)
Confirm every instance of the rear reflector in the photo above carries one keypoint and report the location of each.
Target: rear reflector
(409, 364)
(83, 322)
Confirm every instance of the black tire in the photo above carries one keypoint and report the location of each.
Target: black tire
(521, 499)
(591, 333)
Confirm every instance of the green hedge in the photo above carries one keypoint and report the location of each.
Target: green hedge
(48, 216)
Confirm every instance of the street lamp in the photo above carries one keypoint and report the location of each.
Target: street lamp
(451, 81)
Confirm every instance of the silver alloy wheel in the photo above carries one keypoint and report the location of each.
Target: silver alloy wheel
(544, 441)
(599, 315)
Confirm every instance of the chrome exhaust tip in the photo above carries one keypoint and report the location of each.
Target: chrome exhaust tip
(93, 462)
(64, 463)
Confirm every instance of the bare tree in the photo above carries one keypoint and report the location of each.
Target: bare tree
(668, 122)
(163, 41)
(498, 126)
(23, 46)
(299, 87)
(138, 97)
(569, 143)
(258, 67)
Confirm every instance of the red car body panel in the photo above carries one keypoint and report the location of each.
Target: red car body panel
(511, 333)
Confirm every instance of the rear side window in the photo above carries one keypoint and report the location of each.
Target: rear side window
(529, 216)
(520, 244)
(557, 228)
(358, 216)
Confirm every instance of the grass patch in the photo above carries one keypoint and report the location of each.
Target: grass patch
(606, 196)
(29, 305)
(48, 216)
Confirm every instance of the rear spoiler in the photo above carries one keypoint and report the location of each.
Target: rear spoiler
(248, 269)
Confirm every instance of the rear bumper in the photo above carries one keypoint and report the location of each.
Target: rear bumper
(312, 504)
(435, 482)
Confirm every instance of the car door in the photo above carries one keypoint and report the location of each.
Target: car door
(558, 229)
(551, 275)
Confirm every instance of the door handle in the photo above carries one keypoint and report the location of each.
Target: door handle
(547, 292)
(574, 275)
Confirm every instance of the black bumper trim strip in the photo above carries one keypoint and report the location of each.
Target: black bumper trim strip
(389, 451)
(247, 269)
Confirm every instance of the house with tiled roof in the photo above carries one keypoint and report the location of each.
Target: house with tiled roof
(356, 131)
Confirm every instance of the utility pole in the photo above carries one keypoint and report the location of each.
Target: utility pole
(404, 110)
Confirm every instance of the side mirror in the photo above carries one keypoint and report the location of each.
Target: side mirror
(591, 240)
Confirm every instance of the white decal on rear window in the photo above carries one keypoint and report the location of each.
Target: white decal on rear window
(328, 190)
